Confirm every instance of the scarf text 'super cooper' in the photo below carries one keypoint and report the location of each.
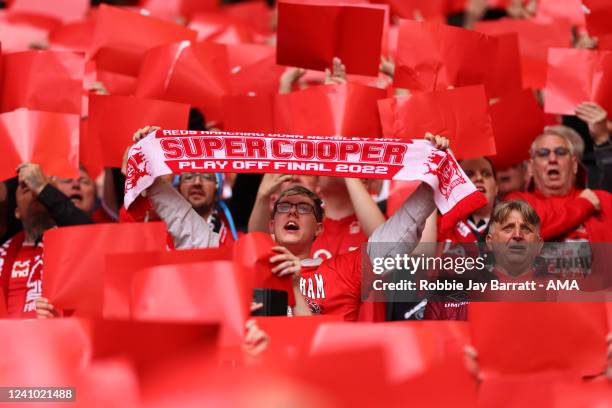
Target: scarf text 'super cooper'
(176, 151)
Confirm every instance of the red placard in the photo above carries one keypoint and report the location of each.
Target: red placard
(505, 76)
(74, 263)
(460, 114)
(245, 113)
(534, 41)
(518, 338)
(568, 10)
(348, 110)
(517, 120)
(122, 37)
(432, 56)
(63, 10)
(46, 138)
(597, 15)
(18, 32)
(311, 35)
(114, 119)
(576, 76)
(184, 8)
(197, 74)
(42, 80)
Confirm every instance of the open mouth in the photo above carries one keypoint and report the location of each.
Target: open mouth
(553, 173)
(517, 248)
(76, 197)
(481, 189)
(291, 226)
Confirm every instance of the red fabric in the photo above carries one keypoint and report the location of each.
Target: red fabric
(434, 56)
(576, 76)
(122, 37)
(513, 137)
(311, 35)
(534, 41)
(460, 114)
(598, 17)
(334, 287)
(24, 136)
(338, 237)
(196, 74)
(74, 263)
(329, 110)
(100, 216)
(563, 217)
(514, 338)
(42, 80)
(21, 276)
(114, 119)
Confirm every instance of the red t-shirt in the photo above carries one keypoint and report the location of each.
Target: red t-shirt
(25, 281)
(338, 237)
(334, 287)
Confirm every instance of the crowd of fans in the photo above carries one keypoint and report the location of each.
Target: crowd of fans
(321, 225)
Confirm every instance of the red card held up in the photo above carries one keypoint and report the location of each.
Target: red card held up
(534, 41)
(63, 10)
(568, 10)
(246, 113)
(330, 110)
(121, 268)
(114, 119)
(25, 137)
(220, 28)
(432, 56)
(505, 75)
(197, 74)
(17, 33)
(42, 80)
(75, 36)
(122, 37)
(184, 8)
(597, 14)
(519, 338)
(194, 292)
(460, 114)
(74, 263)
(252, 252)
(517, 120)
(576, 76)
(428, 10)
(311, 35)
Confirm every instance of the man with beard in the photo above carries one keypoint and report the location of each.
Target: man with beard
(567, 213)
(40, 206)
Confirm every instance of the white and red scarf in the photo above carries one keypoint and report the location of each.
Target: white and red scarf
(176, 151)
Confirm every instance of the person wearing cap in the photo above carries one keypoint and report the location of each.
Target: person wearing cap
(567, 212)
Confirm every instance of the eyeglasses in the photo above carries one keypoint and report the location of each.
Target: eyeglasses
(301, 208)
(80, 180)
(191, 177)
(545, 152)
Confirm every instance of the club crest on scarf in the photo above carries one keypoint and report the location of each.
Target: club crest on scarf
(137, 168)
(447, 170)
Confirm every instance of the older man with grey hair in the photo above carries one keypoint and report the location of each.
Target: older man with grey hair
(567, 213)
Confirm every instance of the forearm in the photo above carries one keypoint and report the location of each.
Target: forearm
(401, 233)
(61, 208)
(260, 215)
(187, 227)
(368, 214)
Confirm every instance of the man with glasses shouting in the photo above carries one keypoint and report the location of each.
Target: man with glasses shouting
(567, 213)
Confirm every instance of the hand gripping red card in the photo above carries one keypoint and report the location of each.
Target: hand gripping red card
(43, 80)
(576, 76)
(597, 14)
(74, 262)
(534, 41)
(195, 292)
(121, 268)
(252, 252)
(46, 138)
(63, 10)
(460, 114)
(515, 338)
(311, 35)
(517, 120)
(122, 37)
(197, 74)
(432, 56)
(348, 110)
(114, 119)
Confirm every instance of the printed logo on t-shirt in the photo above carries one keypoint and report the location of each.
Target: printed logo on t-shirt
(354, 228)
(313, 289)
(322, 254)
